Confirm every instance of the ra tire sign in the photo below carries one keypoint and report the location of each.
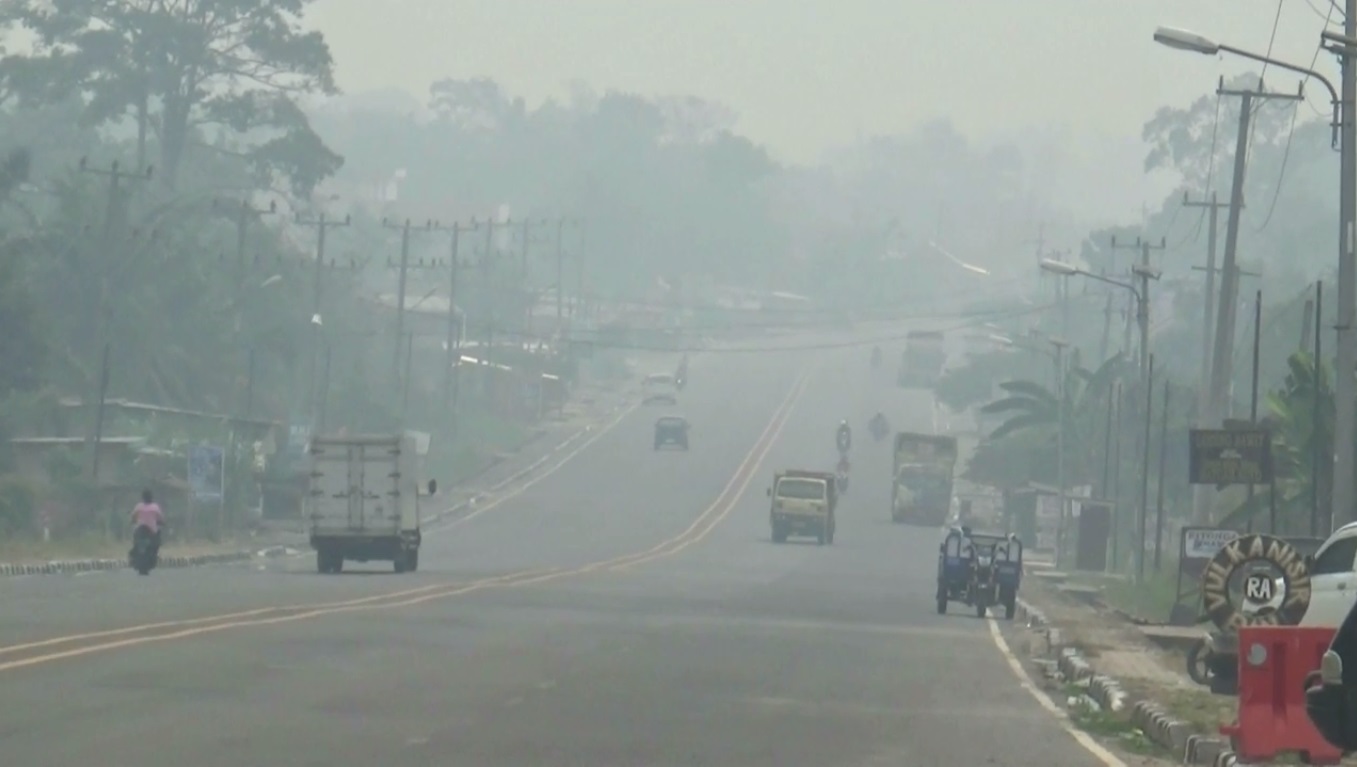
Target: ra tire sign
(1268, 565)
(1259, 589)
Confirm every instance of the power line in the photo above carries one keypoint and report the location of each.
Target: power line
(1291, 133)
(1210, 174)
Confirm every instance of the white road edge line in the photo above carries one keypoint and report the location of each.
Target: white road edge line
(1090, 745)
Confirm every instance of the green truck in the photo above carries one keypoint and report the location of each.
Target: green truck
(922, 491)
(923, 359)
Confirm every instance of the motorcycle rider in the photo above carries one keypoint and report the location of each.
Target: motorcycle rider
(879, 424)
(147, 519)
(845, 436)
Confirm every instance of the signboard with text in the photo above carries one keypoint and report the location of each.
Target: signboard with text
(1230, 457)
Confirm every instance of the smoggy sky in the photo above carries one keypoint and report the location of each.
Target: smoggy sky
(806, 75)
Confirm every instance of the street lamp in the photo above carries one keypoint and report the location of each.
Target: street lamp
(1058, 267)
(972, 268)
(1145, 274)
(1345, 131)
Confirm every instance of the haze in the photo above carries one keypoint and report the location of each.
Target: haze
(807, 76)
(627, 383)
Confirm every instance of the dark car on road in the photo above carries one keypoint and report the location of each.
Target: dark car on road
(671, 430)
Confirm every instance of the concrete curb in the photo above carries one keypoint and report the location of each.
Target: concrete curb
(70, 566)
(1169, 733)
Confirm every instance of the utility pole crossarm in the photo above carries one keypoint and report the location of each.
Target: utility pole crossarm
(1260, 94)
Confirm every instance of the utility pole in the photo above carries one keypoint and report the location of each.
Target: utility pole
(453, 358)
(1144, 271)
(560, 277)
(113, 213)
(1107, 329)
(404, 267)
(1345, 409)
(245, 213)
(1204, 388)
(1222, 358)
(488, 273)
(578, 303)
(323, 226)
(529, 296)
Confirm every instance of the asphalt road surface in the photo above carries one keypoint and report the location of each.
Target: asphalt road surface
(627, 609)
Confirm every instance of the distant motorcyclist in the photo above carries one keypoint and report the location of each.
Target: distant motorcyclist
(845, 436)
(967, 545)
(879, 425)
(147, 520)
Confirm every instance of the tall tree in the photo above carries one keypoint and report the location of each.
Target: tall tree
(177, 67)
(1198, 141)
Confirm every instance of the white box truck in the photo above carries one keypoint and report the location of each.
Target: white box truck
(363, 501)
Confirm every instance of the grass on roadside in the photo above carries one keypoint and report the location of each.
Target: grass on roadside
(1150, 601)
(29, 550)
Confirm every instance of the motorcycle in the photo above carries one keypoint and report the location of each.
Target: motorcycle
(983, 590)
(144, 555)
(879, 427)
(841, 477)
(844, 441)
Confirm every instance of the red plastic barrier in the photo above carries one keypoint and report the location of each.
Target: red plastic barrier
(1273, 664)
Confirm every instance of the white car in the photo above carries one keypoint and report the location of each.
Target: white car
(659, 388)
(1333, 579)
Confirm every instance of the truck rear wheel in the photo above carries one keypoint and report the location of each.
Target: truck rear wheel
(328, 562)
(401, 563)
(414, 560)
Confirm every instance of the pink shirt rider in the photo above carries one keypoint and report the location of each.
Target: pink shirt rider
(148, 514)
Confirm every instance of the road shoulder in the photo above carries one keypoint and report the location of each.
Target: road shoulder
(1113, 681)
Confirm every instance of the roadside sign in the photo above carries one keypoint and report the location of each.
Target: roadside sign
(1202, 543)
(1247, 575)
(1258, 588)
(1196, 547)
(1230, 457)
(298, 435)
(207, 472)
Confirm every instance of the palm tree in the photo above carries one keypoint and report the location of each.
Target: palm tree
(1300, 435)
(1032, 407)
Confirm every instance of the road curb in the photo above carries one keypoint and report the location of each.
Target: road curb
(1172, 734)
(71, 566)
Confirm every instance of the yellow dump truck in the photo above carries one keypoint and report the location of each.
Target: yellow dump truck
(803, 503)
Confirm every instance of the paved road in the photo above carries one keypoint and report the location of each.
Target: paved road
(650, 622)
